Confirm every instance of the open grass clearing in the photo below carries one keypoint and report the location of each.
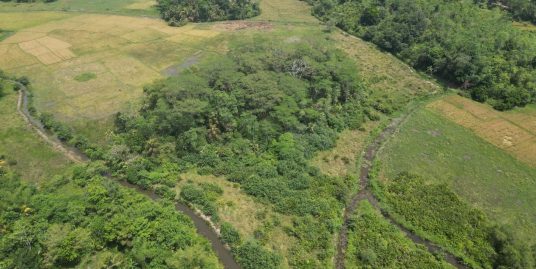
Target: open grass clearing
(27, 154)
(392, 83)
(487, 177)
(341, 160)
(18, 20)
(286, 11)
(513, 131)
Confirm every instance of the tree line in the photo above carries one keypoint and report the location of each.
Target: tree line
(470, 47)
(179, 12)
(523, 10)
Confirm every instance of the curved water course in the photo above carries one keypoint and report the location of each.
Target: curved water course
(366, 194)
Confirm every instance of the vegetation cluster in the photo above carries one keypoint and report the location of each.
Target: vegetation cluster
(434, 211)
(179, 12)
(472, 47)
(375, 243)
(524, 10)
(82, 219)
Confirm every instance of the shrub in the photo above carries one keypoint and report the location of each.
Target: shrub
(229, 234)
(251, 255)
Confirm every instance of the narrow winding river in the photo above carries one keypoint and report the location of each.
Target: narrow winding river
(203, 228)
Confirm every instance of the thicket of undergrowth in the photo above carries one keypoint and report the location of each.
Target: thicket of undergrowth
(83, 219)
(435, 212)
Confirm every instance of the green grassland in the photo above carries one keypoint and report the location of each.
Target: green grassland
(123, 7)
(17, 20)
(485, 176)
(24, 150)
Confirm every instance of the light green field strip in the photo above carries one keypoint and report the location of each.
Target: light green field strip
(30, 156)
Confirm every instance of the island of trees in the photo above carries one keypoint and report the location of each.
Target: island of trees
(179, 12)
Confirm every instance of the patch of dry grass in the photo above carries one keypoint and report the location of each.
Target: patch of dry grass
(244, 213)
(386, 76)
(341, 160)
(513, 132)
(143, 4)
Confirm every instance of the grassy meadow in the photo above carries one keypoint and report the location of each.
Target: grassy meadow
(26, 153)
(123, 7)
(441, 151)
(513, 131)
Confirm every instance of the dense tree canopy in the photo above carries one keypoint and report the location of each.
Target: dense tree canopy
(84, 220)
(474, 48)
(178, 12)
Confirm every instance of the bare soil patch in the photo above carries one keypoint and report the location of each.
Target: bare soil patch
(241, 25)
